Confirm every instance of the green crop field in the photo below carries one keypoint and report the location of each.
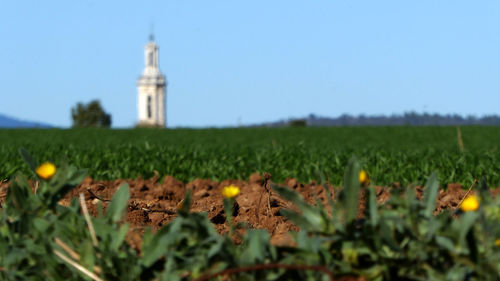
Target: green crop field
(389, 154)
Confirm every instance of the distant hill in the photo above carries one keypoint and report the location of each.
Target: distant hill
(407, 119)
(9, 122)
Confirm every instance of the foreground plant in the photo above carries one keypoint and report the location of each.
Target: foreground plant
(229, 193)
(40, 239)
(401, 240)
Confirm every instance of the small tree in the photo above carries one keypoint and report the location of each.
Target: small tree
(90, 115)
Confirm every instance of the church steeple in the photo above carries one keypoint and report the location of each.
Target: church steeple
(151, 57)
(151, 89)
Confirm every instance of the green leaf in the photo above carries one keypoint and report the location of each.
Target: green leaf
(457, 273)
(159, 242)
(310, 216)
(331, 203)
(350, 198)
(256, 244)
(28, 158)
(298, 219)
(146, 238)
(87, 254)
(467, 221)
(484, 192)
(65, 180)
(20, 200)
(120, 236)
(410, 196)
(387, 236)
(430, 195)
(118, 204)
(76, 177)
(290, 195)
(446, 243)
(372, 207)
(215, 247)
(41, 225)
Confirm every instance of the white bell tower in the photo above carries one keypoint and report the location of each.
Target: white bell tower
(151, 89)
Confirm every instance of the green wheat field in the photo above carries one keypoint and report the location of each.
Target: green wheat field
(390, 154)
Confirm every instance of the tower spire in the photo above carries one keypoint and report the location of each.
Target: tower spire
(151, 88)
(152, 34)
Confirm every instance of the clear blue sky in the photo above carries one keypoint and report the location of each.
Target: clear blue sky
(252, 61)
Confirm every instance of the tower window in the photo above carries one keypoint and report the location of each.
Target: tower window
(150, 58)
(149, 107)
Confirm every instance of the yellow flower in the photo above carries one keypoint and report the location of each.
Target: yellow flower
(471, 203)
(46, 170)
(363, 177)
(497, 242)
(230, 191)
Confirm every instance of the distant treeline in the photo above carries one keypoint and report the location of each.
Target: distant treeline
(407, 119)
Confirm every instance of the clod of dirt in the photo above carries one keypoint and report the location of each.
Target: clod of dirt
(255, 178)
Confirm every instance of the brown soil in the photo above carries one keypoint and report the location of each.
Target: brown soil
(154, 203)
